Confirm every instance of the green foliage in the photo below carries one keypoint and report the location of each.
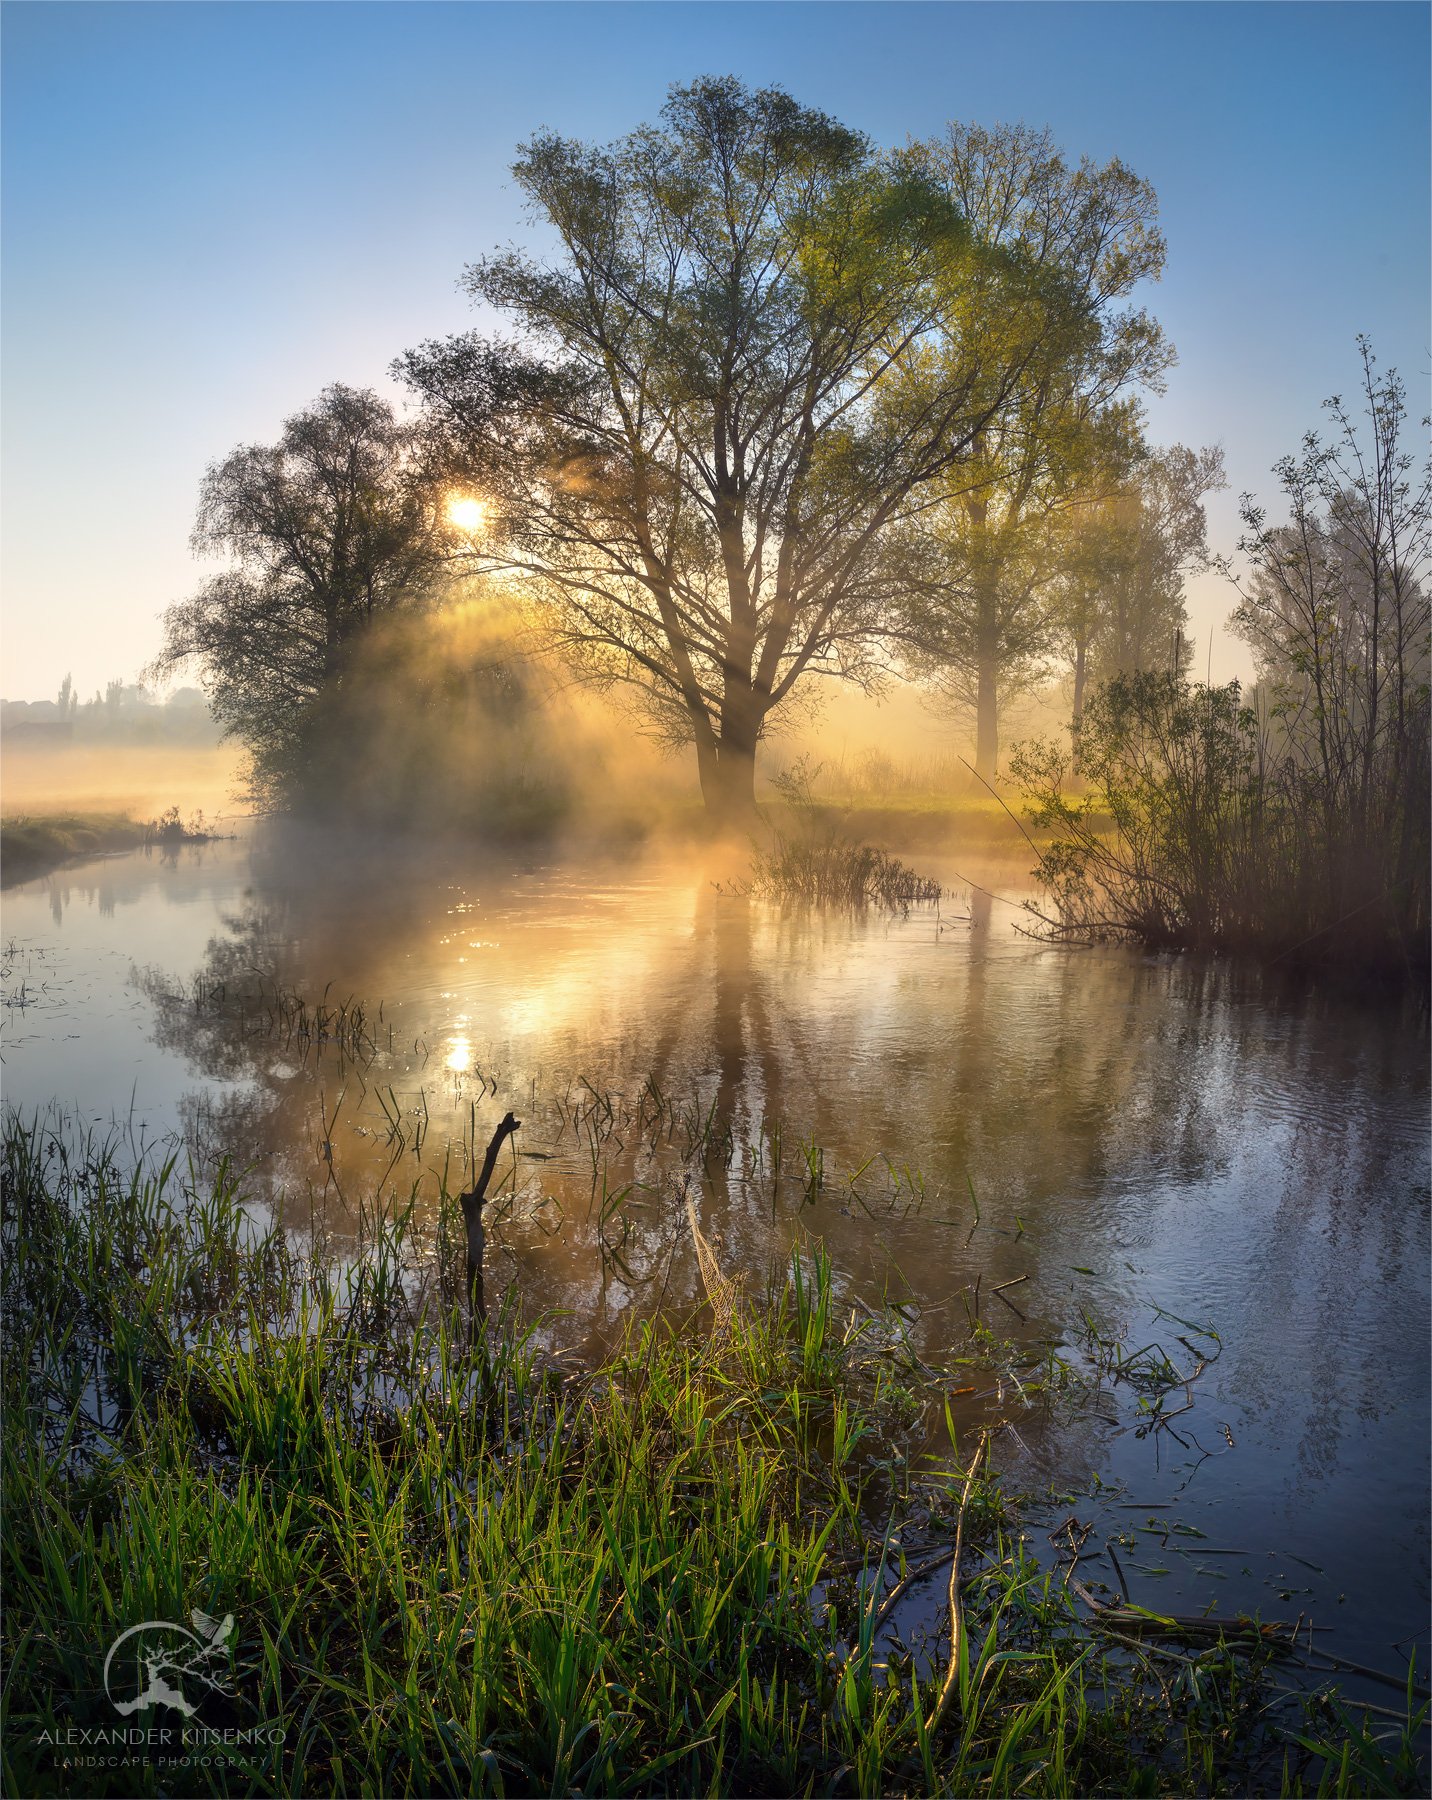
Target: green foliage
(1186, 830)
(756, 347)
(977, 568)
(1124, 549)
(1156, 844)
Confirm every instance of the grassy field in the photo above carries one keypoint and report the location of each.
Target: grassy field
(445, 1568)
(135, 780)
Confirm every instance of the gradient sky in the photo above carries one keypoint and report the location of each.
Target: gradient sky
(212, 211)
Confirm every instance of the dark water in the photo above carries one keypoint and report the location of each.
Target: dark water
(1155, 1146)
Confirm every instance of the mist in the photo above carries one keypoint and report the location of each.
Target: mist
(140, 781)
(686, 1109)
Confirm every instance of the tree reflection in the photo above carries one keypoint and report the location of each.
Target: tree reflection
(1131, 1129)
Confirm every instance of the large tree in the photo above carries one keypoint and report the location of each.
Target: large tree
(979, 574)
(731, 377)
(327, 531)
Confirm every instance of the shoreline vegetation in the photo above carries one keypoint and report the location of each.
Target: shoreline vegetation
(453, 1568)
(32, 845)
(1184, 831)
(1108, 863)
(36, 844)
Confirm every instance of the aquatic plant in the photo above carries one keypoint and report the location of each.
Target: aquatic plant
(811, 857)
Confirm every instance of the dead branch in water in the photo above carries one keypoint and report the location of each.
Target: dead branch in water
(1238, 1632)
(472, 1203)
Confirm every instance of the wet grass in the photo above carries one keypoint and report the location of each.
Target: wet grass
(32, 845)
(684, 1571)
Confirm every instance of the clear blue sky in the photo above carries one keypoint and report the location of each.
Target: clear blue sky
(212, 211)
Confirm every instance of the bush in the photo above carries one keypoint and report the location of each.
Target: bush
(1198, 827)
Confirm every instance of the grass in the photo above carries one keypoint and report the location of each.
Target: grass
(684, 1571)
(931, 803)
(810, 855)
(31, 845)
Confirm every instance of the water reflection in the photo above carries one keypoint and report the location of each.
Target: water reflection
(1127, 1133)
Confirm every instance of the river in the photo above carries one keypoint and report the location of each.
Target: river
(1131, 1148)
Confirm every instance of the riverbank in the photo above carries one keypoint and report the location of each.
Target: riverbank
(382, 1563)
(31, 846)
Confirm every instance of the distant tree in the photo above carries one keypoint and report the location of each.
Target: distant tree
(1117, 607)
(979, 568)
(328, 530)
(756, 347)
(1295, 823)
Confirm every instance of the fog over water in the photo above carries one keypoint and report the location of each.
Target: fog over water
(1152, 1145)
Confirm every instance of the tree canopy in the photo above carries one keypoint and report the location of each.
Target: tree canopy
(979, 567)
(1117, 602)
(757, 348)
(328, 530)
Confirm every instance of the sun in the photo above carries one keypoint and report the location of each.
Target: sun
(467, 514)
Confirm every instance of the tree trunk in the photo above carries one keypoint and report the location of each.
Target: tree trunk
(708, 770)
(728, 780)
(987, 717)
(986, 577)
(738, 786)
(1081, 669)
(736, 762)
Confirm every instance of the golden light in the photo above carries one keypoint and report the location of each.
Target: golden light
(467, 514)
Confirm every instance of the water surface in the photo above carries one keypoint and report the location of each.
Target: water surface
(1153, 1145)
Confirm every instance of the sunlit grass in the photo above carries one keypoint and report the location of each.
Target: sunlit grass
(495, 1572)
